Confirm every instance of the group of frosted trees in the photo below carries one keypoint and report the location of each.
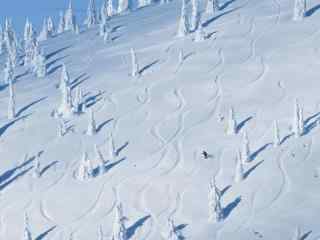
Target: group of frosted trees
(244, 155)
(119, 228)
(193, 22)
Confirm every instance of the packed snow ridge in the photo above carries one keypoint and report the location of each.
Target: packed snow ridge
(162, 120)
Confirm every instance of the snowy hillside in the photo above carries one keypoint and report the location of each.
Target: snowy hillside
(122, 130)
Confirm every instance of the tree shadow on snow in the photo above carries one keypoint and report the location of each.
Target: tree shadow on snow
(50, 55)
(208, 22)
(138, 224)
(4, 128)
(257, 152)
(145, 68)
(120, 149)
(44, 234)
(76, 82)
(30, 105)
(46, 168)
(311, 11)
(304, 236)
(226, 4)
(107, 168)
(231, 206)
(242, 123)
(92, 100)
(247, 173)
(7, 183)
(99, 128)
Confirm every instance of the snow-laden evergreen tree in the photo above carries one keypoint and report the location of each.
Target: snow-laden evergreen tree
(194, 22)
(44, 34)
(61, 127)
(77, 29)
(111, 148)
(62, 23)
(183, 28)
(297, 234)
(107, 36)
(104, 11)
(64, 78)
(239, 173)
(70, 19)
(27, 231)
(173, 233)
(301, 121)
(298, 120)
(100, 233)
(85, 170)
(92, 17)
(11, 42)
(92, 127)
(300, 7)
(28, 31)
(215, 207)
(35, 52)
(50, 27)
(110, 8)
(66, 106)
(100, 159)
(30, 48)
(8, 71)
(134, 63)
(232, 124)
(200, 34)
(245, 153)
(37, 167)
(41, 66)
(102, 28)
(78, 101)
(119, 230)
(1, 40)
(276, 134)
(181, 56)
(212, 7)
(123, 6)
(12, 100)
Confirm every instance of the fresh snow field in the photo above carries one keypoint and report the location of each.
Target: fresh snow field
(256, 60)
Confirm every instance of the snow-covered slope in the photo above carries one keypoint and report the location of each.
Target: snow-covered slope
(256, 60)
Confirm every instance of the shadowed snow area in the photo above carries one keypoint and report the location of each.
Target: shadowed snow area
(256, 60)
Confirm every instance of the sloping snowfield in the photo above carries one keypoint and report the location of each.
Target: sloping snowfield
(256, 60)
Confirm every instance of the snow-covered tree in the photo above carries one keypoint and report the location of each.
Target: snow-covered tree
(62, 23)
(183, 28)
(298, 120)
(92, 128)
(239, 173)
(77, 29)
(111, 148)
(78, 101)
(12, 100)
(37, 167)
(110, 9)
(28, 31)
(123, 6)
(107, 37)
(103, 27)
(92, 17)
(232, 124)
(70, 19)
(8, 71)
(245, 153)
(299, 11)
(62, 129)
(134, 63)
(212, 7)
(119, 230)
(100, 233)
(27, 231)
(41, 66)
(85, 169)
(64, 78)
(200, 34)
(194, 15)
(1, 40)
(44, 34)
(297, 234)
(11, 42)
(66, 106)
(50, 27)
(100, 159)
(276, 134)
(181, 56)
(215, 207)
(104, 11)
(173, 233)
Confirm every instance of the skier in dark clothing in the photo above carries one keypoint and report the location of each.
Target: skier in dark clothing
(205, 154)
